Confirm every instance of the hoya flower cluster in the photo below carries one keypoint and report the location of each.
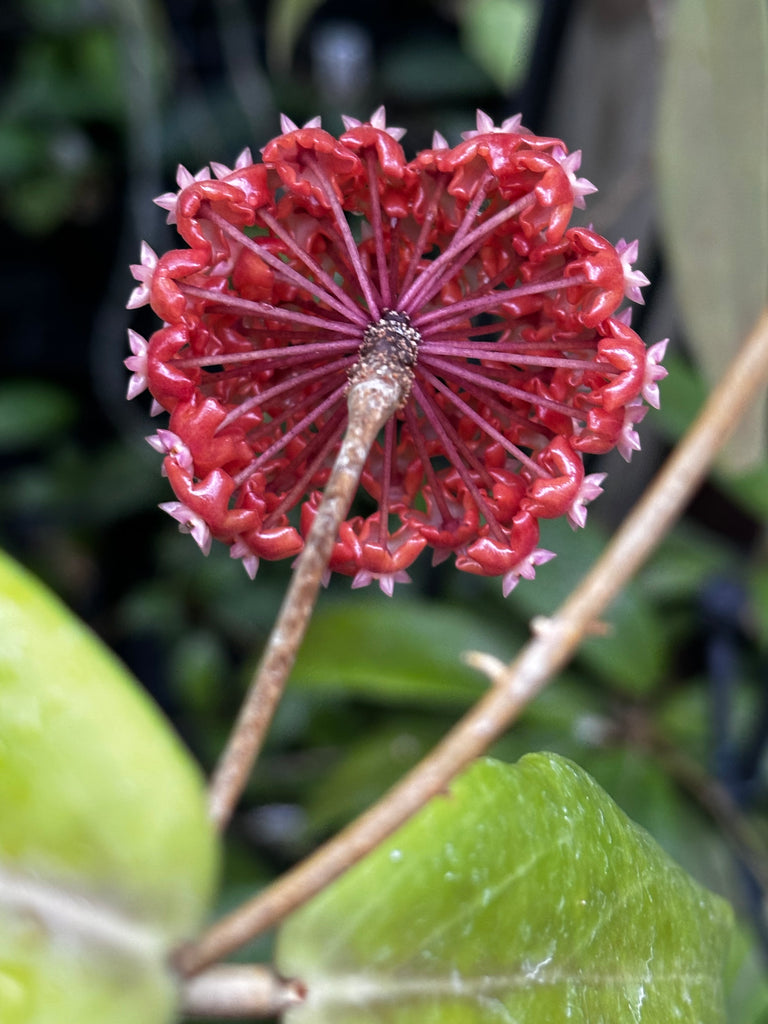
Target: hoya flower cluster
(522, 361)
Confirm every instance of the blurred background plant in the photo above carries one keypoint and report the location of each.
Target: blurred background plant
(668, 710)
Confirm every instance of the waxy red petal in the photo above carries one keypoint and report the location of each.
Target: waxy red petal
(521, 367)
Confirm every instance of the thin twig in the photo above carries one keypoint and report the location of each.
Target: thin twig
(514, 685)
(371, 402)
(636, 728)
(745, 840)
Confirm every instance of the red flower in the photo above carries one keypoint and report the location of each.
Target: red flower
(507, 320)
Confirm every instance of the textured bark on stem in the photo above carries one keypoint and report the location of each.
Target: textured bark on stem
(515, 684)
(379, 384)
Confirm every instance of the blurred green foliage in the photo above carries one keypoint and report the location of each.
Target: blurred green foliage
(65, 83)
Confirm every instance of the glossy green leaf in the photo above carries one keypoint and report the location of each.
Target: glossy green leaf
(646, 791)
(107, 857)
(400, 650)
(713, 182)
(523, 894)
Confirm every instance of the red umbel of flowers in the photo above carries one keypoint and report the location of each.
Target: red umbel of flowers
(523, 361)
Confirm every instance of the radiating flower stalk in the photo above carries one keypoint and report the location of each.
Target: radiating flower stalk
(431, 332)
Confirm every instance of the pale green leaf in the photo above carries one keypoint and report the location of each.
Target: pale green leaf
(712, 151)
(286, 20)
(499, 35)
(107, 857)
(522, 895)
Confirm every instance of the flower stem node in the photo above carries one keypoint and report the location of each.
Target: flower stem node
(389, 350)
(446, 299)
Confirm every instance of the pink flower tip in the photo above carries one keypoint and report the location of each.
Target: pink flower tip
(629, 439)
(167, 443)
(137, 364)
(570, 163)
(250, 561)
(654, 372)
(142, 272)
(589, 490)
(634, 280)
(525, 569)
(386, 580)
(189, 523)
(484, 124)
(245, 159)
(184, 178)
(378, 119)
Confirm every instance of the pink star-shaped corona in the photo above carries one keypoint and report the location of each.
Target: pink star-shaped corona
(143, 273)
(634, 280)
(654, 372)
(137, 364)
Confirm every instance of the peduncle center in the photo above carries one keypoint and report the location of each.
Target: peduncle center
(389, 352)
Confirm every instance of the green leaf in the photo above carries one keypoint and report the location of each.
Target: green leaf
(32, 412)
(746, 980)
(107, 857)
(758, 589)
(644, 787)
(398, 651)
(712, 150)
(426, 68)
(748, 489)
(523, 894)
(286, 20)
(369, 765)
(686, 559)
(684, 394)
(499, 35)
(632, 656)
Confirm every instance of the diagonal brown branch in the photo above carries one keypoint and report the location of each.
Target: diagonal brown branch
(514, 685)
(371, 403)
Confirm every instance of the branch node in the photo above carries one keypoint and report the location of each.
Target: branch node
(488, 664)
(239, 991)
